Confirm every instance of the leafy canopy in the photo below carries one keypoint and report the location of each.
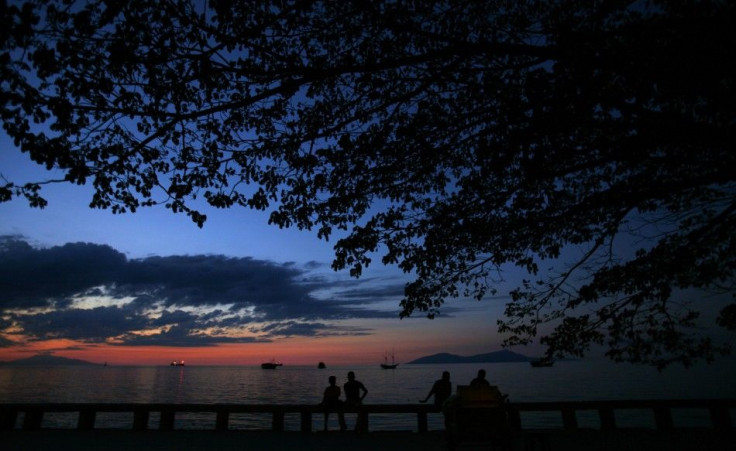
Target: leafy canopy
(454, 137)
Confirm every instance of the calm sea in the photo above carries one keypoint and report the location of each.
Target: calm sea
(565, 381)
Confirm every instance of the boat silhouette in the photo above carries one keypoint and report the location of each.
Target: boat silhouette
(272, 365)
(539, 363)
(389, 366)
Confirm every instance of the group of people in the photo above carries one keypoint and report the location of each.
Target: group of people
(442, 388)
(355, 391)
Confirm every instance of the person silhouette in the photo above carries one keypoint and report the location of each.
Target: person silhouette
(480, 380)
(332, 403)
(355, 391)
(441, 389)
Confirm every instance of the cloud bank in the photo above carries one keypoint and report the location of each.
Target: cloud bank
(94, 294)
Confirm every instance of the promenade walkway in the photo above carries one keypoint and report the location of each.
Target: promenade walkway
(110, 440)
(117, 440)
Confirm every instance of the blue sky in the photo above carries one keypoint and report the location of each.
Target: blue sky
(304, 303)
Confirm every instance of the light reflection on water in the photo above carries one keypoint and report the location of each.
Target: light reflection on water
(565, 381)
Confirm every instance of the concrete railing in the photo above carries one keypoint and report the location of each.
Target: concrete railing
(719, 411)
(33, 414)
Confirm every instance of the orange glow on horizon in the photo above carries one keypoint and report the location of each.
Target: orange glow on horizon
(301, 351)
(297, 351)
(409, 340)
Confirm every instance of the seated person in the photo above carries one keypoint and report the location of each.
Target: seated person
(484, 396)
(332, 403)
(480, 380)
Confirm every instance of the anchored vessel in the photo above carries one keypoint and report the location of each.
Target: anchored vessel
(541, 363)
(272, 365)
(388, 366)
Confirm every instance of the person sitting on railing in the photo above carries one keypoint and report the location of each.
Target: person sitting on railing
(480, 380)
(332, 403)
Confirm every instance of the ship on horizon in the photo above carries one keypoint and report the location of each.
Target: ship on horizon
(272, 365)
(389, 366)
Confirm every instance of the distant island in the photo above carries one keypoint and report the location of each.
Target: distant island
(491, 357)
(46, 360)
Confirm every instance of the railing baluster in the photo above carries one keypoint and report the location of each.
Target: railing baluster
(306, 421)
(223, 417)
(277, 423)
(608, 420)
(422, 421)
(663, 418)
(86, 419)
(569, 419)
(362, 421)
(720, 417)
(33, 419)
(8, 418)
(140, 419)
(167, 419)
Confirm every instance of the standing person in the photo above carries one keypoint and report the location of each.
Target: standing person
(442, 389)
(353, 389)
(354, 398)
(480, 380)
(332, 403)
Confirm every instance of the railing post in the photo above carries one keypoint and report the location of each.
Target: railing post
(277, 423)
(569, 419)
(422, 421)
(720, 417)
(167, 420)
(306, 421)
(33, 419)
(8, 418)
(140, 419)
(608, 420)
(223, 417)
(514, 418)
(663, 418)
(86, 420)
(362, 421)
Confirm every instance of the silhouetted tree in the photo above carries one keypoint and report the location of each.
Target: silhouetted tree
(455, 137)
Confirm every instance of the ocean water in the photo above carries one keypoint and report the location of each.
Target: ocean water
(565, 381)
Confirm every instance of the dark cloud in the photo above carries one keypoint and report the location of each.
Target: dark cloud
(93, 325)
(173, 299)
(295, 328)
(32, 277)
(176, 317)
(369, 291)
(181, 336)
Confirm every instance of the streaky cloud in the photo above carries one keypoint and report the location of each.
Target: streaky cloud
(173, 300)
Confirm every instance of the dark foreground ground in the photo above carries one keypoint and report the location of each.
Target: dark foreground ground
(113, 440)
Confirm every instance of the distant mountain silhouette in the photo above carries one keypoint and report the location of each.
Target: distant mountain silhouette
(491, 357)
(46, 360)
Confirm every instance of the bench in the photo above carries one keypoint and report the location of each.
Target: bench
(478, 415)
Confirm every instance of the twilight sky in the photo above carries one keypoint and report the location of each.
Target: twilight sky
(149, 287)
